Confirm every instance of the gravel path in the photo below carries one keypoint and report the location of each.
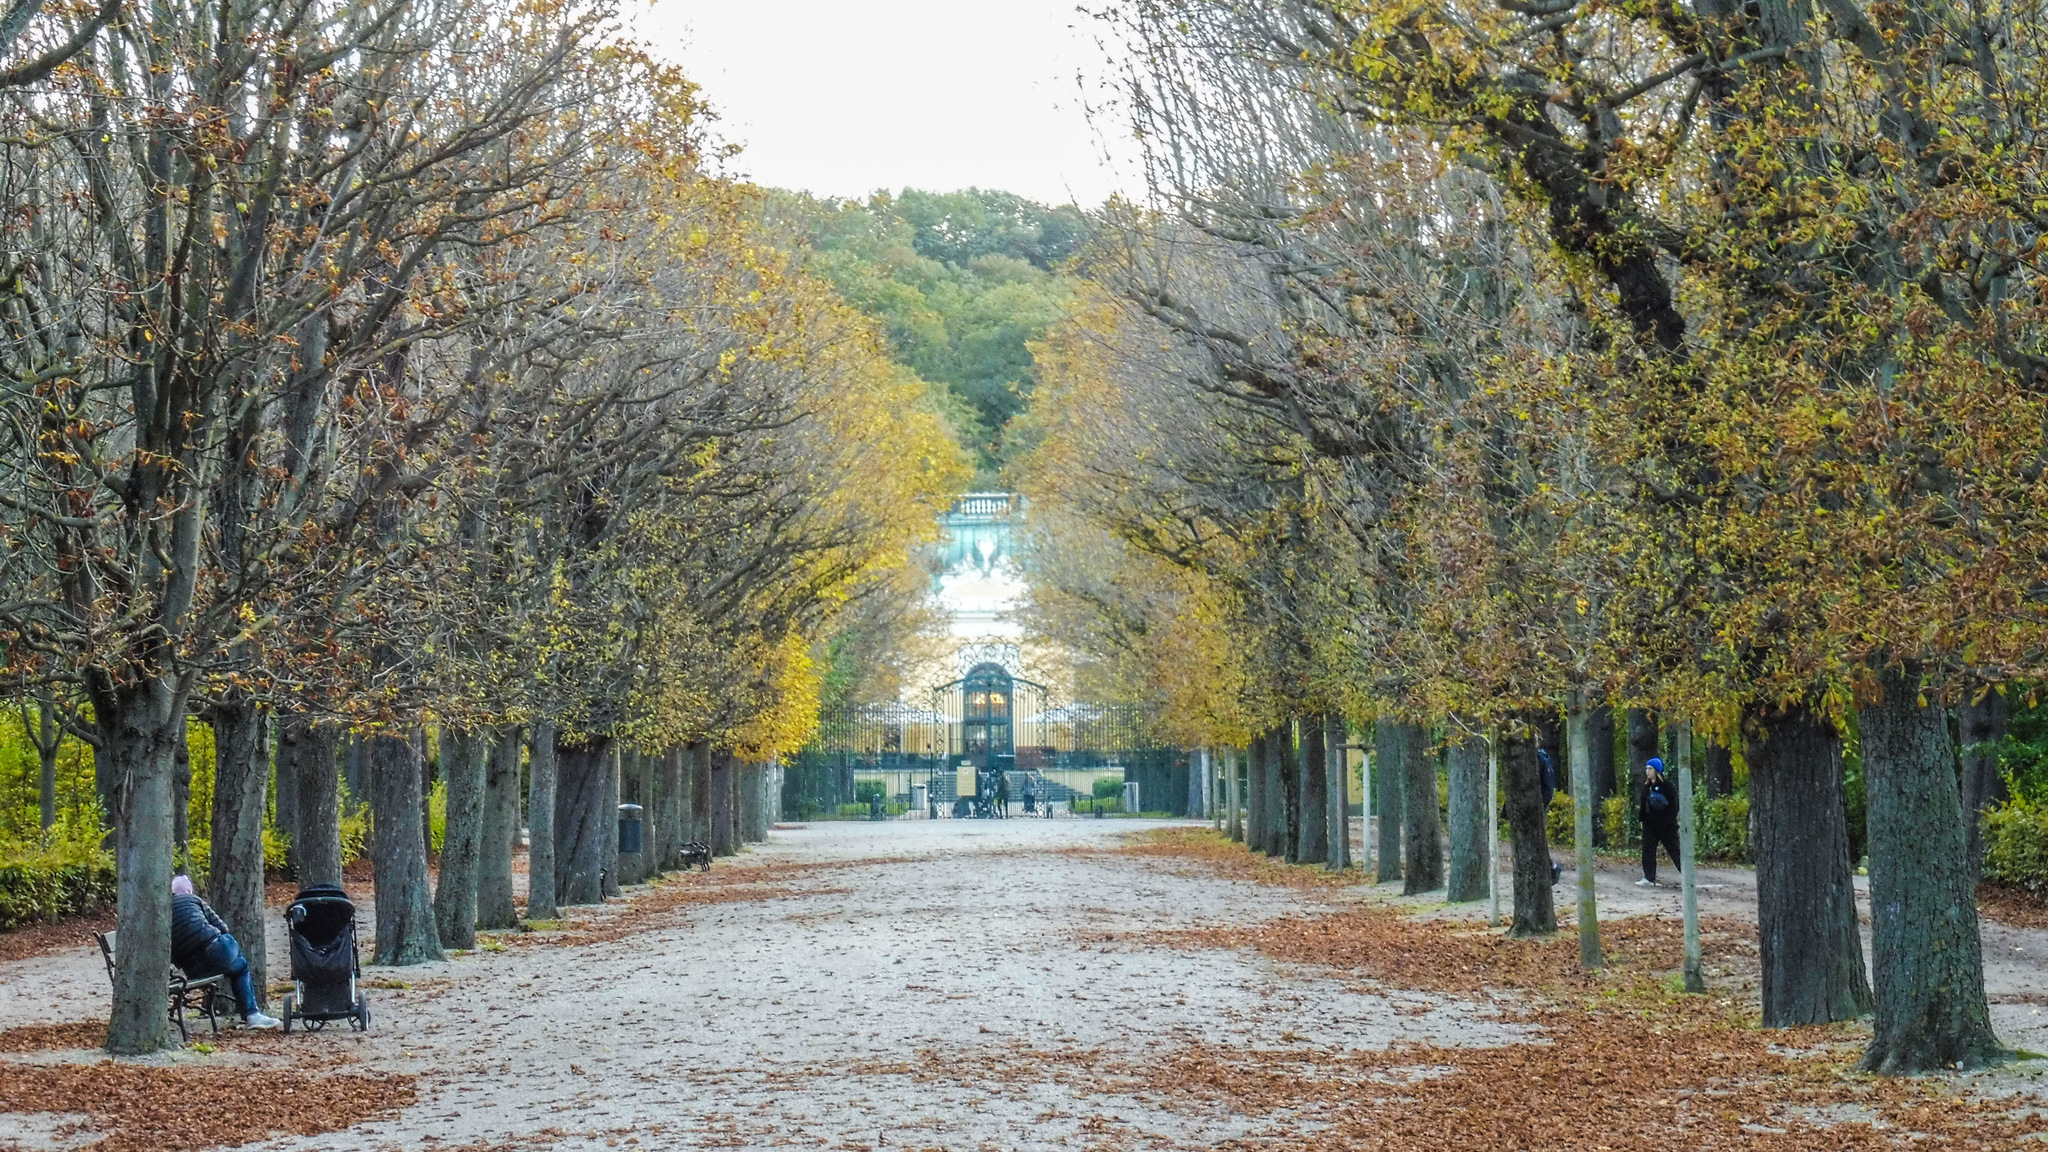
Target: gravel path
(914, 984)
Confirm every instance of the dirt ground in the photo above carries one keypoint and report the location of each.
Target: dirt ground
(956, 985)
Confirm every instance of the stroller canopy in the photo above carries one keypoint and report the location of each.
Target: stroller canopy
(320, 916)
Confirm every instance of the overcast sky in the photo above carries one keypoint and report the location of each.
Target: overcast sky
(842, 97)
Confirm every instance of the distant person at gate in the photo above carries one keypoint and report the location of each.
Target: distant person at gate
(1003, 793)
(1659, 812)
(202, 947)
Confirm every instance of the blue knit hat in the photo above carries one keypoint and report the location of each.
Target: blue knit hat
(1656, 763)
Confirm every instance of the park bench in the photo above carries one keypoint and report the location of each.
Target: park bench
(206, 995)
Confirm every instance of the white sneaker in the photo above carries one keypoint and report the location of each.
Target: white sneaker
(259, 1020)
(1646, 883)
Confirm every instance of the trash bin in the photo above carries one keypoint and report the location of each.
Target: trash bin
(1131, 798)
(917, 797)
(629, 829)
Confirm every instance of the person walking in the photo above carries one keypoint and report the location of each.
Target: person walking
(1659, 812)
(202, 947)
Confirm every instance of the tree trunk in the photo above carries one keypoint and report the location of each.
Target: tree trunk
(1277, 804)
(1980, 725)
(319, 815)
(1926, 957)
(181, 797)
(49, 742)
(1390, 740)
(291, 732)
(1584, 819)
(1806, 906)
(583, 825)
(734, 779)
(756, 793)
(1255, 794)
(608, 823)
(494, 906)
(406, 932)
(1522, 782)
(1422, 836)
(542, 778)
(241, 777)
(1313, 784)
(743, 801)
(462, 770)
(722, 843)
(1233, 798)
(671, 804)
(700, 791)
(1600, 746)
(1720, 769)
(1288, 762)
(1471, 810)
(106, 783)
(1336, 801)
(137, 727)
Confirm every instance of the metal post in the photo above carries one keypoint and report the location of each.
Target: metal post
(1492, 831)
(1582, 812)
(1681, 751)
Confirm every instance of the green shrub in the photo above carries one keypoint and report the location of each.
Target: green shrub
(1620, 822)
(868, 791)
(1557, 821)
(437, 816)
(2016, 844)
(862, 811)
(63, 871)
(1109, 787)
(1720, 827)
(1105, 805)
(355, 832)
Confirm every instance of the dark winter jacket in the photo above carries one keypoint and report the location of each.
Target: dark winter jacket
(1549, 773)
(1652, 817)
(193, 926)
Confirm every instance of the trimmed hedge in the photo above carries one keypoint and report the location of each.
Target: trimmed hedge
(1720, 827)
(46, 887)
(2016, 845)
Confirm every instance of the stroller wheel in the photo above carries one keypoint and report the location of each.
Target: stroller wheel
(285, 1014)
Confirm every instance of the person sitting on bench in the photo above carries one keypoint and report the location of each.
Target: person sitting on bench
(202, 947)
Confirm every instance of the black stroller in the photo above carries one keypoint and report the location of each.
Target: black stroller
(322, 926)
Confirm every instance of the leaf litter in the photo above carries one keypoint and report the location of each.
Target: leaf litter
(1624, 1062)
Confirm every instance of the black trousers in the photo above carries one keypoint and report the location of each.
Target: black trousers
(1653, 835)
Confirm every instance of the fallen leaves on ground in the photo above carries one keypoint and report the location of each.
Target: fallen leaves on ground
(153, 1109)
(66, 932)
(1227, 858)
(1446, 956)
(46, 1037)
(2013, 907)
(1624, 1062)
